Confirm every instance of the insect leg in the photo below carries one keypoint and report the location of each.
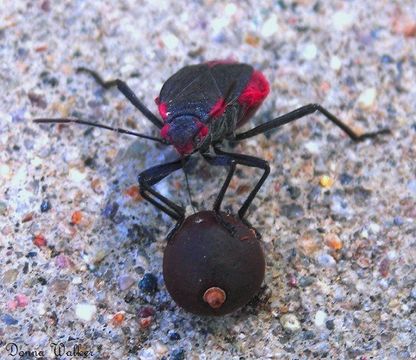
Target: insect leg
(301, 112)
(223, 159)
(127, 92)
(152, 176)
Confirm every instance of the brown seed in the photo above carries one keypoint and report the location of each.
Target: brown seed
(215, 297)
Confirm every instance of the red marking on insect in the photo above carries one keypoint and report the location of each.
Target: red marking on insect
(218, 108)
(164, 132)
(256, 90)
(162, 107)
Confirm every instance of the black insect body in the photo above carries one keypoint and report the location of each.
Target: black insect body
(200, 106)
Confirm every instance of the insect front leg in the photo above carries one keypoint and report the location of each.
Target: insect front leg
(127, 92)
(152, 176)
(301, 112)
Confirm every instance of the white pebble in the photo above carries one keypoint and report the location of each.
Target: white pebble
(309, 51)
(326, 260)
(170, 40)
(290, 322)
(219, 24)
(320, 318)
(342, 20)
(313, 147)
(230, 9)
(335, 63)
(367, 98)
(85, 311)
(77, 280)
(4, 171)
(374, 228)
(270, 26)
(76, 175)
(41, 309)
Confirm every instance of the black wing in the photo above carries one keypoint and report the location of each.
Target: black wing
(196, 89)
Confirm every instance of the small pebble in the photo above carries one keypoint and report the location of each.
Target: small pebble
(335, 63)
(39, 240)
(76, 176)
(330, 324)
(333, 241)
(292, 211)
(292, 281)
(21, 300)
(411, 186)
(62, 261)
(342, 20)
(3, 208)
(170, 40)
(308, 243)
(306, 281)
(290, 323)
(118, 318)
(145, 315)
(320, 318)
(125, 282)
(85, 311)
(309, 52)
(110, 210)
(10, 276)
(4, 171)
(45, 206)
(367, 98)
(270, 26)
(294, 192)
(326, 260)
(9, 320)
(326, 181)
(384, 267)
(148, 283)
(76, 217)
(386, 59)
(146, 311)
(134, 192)
(345, 179)
(174, 336)
(177, 354)
(398, 221)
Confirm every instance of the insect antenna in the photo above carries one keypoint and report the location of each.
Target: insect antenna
(90, 123)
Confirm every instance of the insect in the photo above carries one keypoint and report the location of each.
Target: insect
(200, 107)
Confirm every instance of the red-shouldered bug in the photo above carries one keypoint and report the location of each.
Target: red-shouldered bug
(200, 106)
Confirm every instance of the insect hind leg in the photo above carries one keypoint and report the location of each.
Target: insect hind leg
(300, 113)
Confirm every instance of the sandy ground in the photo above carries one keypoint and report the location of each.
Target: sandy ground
(76, 240)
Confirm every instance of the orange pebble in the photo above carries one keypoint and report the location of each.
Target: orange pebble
(76, 217)
(118, 319)
(333, 241)
(134, 192)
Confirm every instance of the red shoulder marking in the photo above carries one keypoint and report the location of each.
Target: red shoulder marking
(218, 109)
(162, 107)
(256, 90)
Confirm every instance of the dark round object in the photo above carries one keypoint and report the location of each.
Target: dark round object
(213, 264)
